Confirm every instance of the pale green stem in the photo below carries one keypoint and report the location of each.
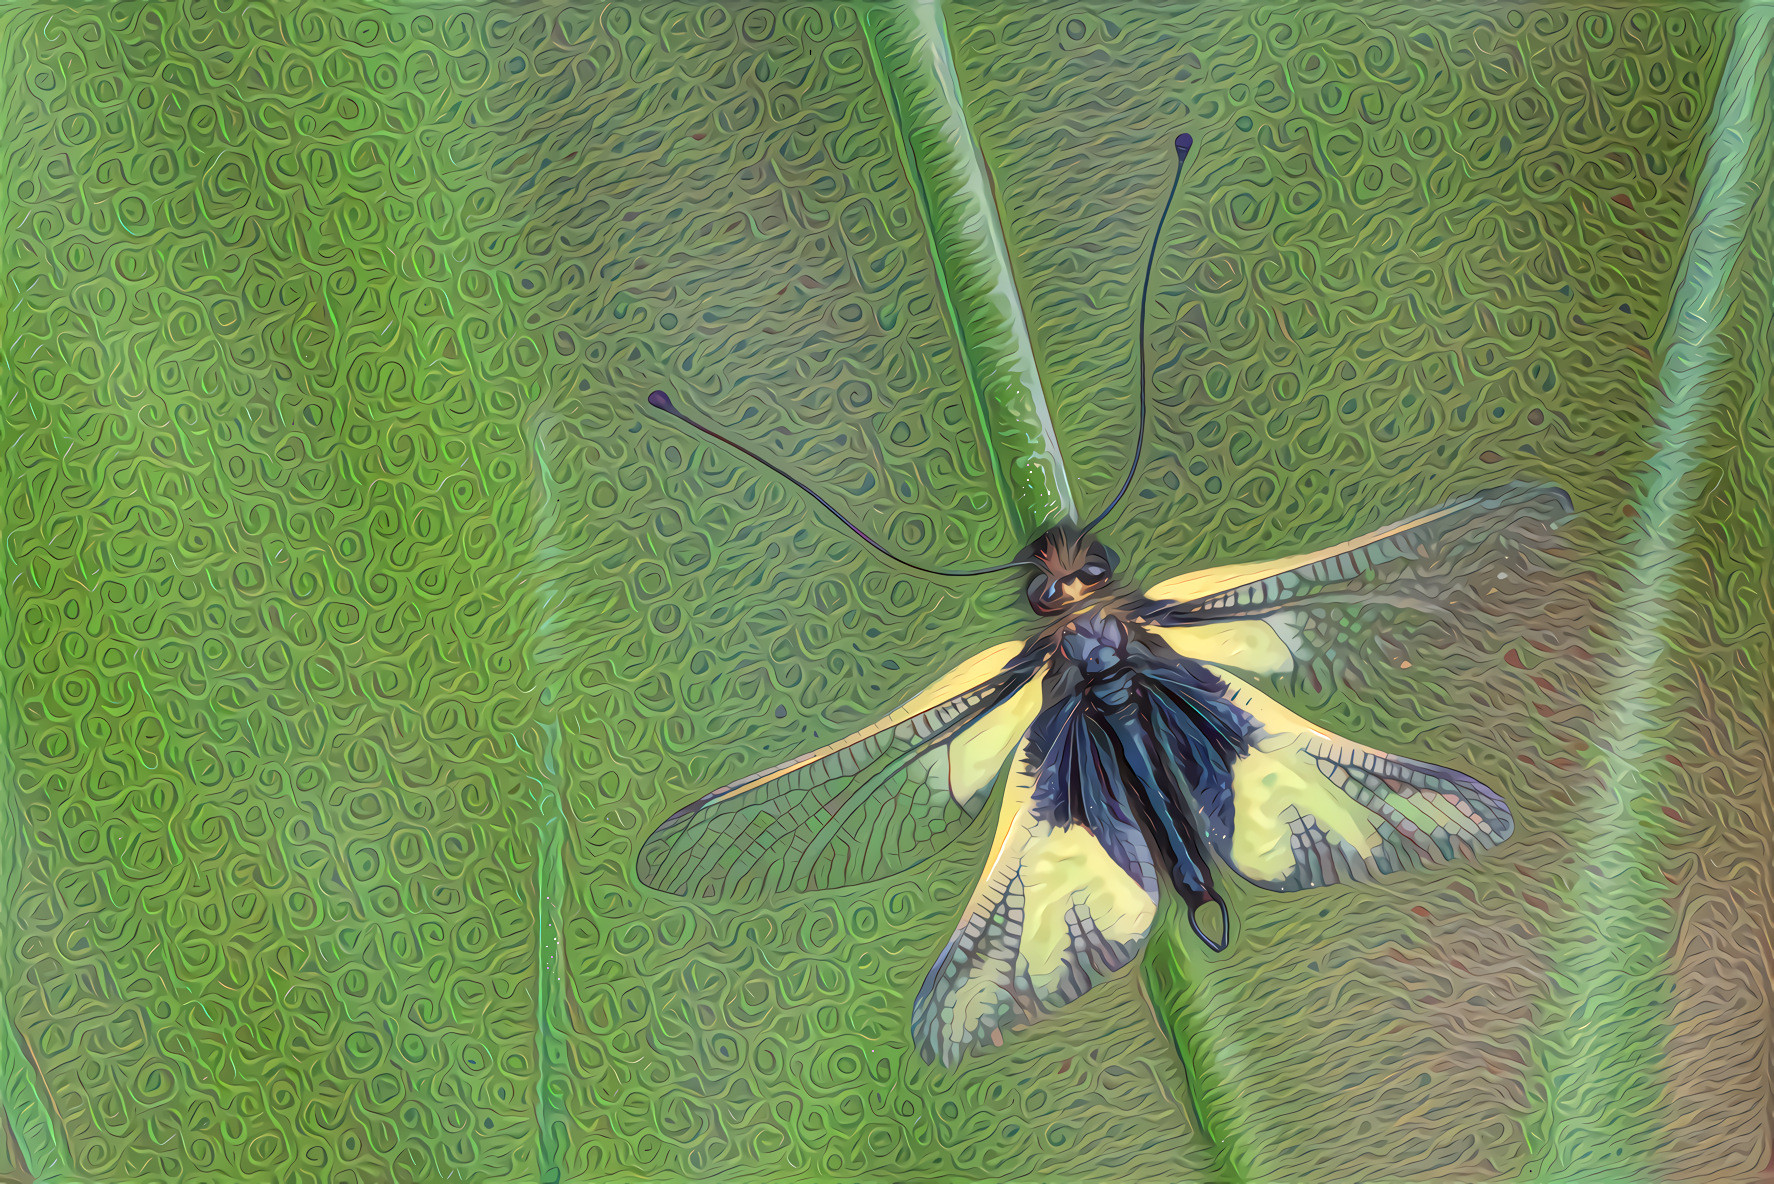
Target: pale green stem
(27, 1109)
(909, 44)
(1597, 1101)
(551, 825)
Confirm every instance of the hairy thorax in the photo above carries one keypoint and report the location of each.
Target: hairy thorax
(1099, 648)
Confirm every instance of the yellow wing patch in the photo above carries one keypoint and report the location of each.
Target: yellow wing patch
(1256, 646)
(1053, 915)
(1272, 792)
(1311, 808)
(975, 670)
(977, 756)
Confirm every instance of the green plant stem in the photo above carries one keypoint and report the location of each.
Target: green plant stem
(910, 47)
(1595, 1108)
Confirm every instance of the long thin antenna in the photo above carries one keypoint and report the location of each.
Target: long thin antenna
(1184, 143)
(663, 401)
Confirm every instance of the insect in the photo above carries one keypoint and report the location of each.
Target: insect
(1139, 750)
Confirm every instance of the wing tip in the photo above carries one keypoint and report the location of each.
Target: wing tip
(939, 1040)
(1503, 825)
(647, 869)
(926, 1028)
(934, 1052)
(1566, 506)
(1523, 491)
(937, 1048)
(649, 866)
(651, 877)
(674, 821)
(1499, 817)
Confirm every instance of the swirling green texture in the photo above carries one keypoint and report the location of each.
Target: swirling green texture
(359, 623)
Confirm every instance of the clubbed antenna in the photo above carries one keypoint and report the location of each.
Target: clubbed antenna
(663, 402)
(1184, 143)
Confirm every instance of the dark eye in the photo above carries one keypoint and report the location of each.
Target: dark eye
(1095, 571)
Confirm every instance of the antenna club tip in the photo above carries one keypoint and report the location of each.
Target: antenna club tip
(662, 401)
(1184, 143)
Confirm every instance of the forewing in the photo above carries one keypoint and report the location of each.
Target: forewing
(1310, 809)
(869, 806)
(1053, 916)
(1478, 553)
